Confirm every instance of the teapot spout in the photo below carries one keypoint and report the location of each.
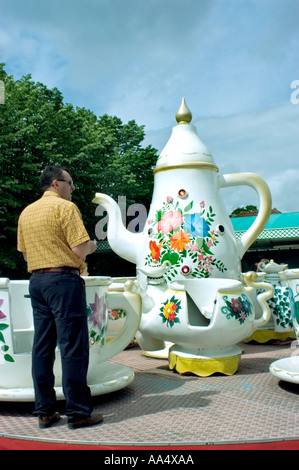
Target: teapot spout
(124, 243)
(155, 272)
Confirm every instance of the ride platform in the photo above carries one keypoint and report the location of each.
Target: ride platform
(163, 410)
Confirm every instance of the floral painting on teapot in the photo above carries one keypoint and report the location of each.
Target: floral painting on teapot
(169, 311)
(185, 237)
(238, 308)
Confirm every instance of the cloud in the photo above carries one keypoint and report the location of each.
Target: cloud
(232, 60)
(135, 59)
(284, 189)
(33, 54)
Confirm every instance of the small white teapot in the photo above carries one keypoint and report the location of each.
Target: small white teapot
(204, 320)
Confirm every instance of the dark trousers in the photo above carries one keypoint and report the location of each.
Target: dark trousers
(60, 317)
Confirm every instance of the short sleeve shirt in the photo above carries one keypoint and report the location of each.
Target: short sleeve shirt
(48, 229)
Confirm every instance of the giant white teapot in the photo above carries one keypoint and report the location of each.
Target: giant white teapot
(188, 239)
(187, 227)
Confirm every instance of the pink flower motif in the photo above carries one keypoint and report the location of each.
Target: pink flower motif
(170, 221)
(202, 204)
(1, 313)
(210, 243)
(169, 199)
(98, 314)
(193, 247)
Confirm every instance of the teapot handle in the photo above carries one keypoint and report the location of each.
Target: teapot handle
(260, 186)
(251, 281)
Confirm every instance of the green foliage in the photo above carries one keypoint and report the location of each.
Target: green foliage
(237, 211)
(38, 129)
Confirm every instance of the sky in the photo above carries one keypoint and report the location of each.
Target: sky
(236, 63)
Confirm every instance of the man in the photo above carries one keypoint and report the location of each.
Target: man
(54, 242)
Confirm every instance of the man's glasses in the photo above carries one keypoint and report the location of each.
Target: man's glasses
(70, 182)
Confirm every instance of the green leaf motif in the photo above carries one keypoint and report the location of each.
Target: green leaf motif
(188, 207)
(170, 256)
(206, 249)
(8, 358)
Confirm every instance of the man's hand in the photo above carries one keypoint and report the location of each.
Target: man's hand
(85, 249)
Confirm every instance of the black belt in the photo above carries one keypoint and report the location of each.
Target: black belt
(64, 269)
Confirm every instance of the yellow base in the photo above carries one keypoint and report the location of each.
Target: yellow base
(204, 367)
(262, 336)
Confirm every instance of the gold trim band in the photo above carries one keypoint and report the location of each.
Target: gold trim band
(202, 165)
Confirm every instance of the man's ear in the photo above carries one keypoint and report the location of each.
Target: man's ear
(55, 184)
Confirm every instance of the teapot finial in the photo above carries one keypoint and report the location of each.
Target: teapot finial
(183, 114)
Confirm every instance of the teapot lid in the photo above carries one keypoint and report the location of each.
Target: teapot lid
(184, 148)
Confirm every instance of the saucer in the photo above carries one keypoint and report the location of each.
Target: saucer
(286, 369)
(107, 378)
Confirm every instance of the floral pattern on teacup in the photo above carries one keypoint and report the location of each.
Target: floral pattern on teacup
(4, 348)
(97, 317)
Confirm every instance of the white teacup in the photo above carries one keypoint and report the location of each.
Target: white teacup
(17, 330)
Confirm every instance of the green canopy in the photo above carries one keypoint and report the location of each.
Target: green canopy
(279, 226)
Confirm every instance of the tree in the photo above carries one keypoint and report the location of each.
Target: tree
(37, 129)
(23, 153)
(237, 211)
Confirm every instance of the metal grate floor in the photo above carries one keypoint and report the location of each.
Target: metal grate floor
(161, 407)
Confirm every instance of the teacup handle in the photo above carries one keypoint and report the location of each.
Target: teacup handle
(260, 186)
(250, 280)
(131, 304)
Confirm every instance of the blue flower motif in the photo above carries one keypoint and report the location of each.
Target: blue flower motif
(246, 306)
(196, 225)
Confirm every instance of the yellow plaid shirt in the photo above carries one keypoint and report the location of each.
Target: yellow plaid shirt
(48, 229)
